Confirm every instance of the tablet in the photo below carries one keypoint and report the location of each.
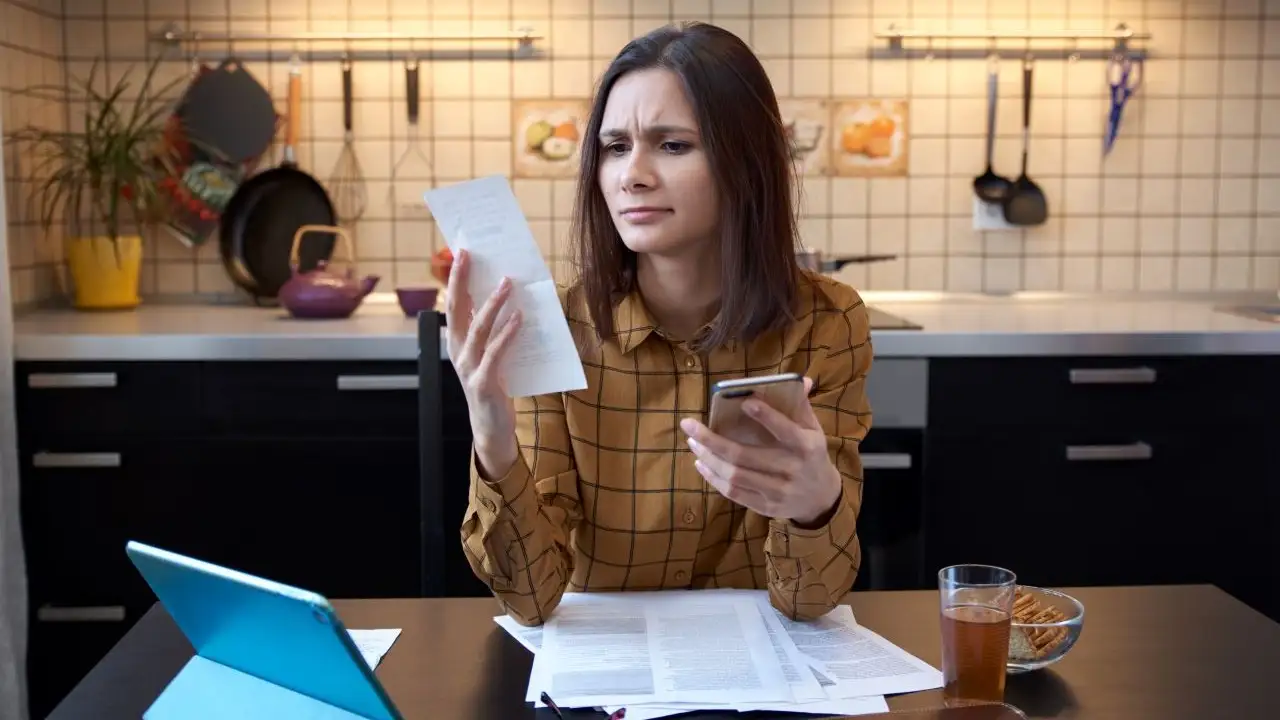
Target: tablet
(284, 635)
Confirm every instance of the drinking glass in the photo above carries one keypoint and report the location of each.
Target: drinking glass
(977, 607)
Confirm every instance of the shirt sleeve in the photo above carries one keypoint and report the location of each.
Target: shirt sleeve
(811, 570)
(515, 532)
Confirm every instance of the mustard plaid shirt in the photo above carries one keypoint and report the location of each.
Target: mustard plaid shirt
(605, 496)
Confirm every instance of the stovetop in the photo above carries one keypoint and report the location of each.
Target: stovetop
(881, 320)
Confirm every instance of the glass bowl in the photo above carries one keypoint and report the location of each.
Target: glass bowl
(1046, 625)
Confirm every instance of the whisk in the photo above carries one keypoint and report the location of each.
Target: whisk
(413, 165)
(346, 183)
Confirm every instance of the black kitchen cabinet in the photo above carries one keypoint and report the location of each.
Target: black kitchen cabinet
(305, 472)
(1106, 470)
(339, 518)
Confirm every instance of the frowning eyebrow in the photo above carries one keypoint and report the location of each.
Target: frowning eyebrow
(652, 130)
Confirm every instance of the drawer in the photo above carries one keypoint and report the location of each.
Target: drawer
(65, 643)
(82, 502)
(311, 399)
(1114, 392)
(1086, 507)
(108, 399)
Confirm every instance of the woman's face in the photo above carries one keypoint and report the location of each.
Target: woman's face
(654, 170)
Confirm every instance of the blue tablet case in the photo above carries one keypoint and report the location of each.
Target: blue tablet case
(263, 649)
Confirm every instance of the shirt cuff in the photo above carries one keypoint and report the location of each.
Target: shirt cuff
(513, 492)
(788, 540)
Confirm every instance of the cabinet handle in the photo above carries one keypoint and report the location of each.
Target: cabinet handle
(101, 613)
(377, 382)
(71, 380)
(1112, 376)
(1135, 451)
(75, 460)
(886, 461)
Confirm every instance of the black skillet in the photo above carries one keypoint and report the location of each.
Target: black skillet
(259, 222)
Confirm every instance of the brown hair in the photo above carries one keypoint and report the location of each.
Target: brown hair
(742, 131)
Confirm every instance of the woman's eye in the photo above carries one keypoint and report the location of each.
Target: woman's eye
(615, 148)
(675, 147)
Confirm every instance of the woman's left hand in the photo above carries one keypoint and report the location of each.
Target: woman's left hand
(792, 478)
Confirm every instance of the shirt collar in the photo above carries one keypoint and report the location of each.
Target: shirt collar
(632, 323)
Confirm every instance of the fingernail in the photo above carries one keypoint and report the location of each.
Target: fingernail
(751, 407)
(687, 426)
(697, 464)
(693, 444)
(504, 284)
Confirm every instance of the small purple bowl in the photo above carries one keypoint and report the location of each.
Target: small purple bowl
(417, 300)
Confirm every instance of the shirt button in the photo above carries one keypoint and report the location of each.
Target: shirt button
(681, 576)
(689, 517)
(487, 504)
(690, 362)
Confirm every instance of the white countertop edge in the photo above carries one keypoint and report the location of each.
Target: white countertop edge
(401, 347)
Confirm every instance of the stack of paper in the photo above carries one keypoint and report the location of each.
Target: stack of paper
(665, 653)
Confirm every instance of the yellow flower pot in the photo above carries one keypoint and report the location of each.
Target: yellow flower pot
(105, 273)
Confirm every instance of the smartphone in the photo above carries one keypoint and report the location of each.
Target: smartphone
(784, 393)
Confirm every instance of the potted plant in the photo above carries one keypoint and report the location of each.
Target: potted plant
(104, 176)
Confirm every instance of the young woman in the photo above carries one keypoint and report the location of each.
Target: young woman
(685, 248)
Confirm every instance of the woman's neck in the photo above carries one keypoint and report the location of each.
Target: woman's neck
(681, 293)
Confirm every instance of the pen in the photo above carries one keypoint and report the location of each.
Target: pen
(546, 700)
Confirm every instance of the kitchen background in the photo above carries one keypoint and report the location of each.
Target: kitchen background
(1189, 199)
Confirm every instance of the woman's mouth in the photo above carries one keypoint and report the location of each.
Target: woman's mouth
(644, 215)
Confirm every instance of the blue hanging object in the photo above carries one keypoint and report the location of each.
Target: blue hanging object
(1124, 75)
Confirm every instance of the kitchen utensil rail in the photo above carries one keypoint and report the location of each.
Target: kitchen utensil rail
(1121, 35)
(173, 34)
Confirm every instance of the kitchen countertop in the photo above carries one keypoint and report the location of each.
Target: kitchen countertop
(1026, 324)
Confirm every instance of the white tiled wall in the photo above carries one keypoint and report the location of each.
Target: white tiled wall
(1188, 200)
(30, 56)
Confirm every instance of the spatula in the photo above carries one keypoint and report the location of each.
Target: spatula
(1025, 203)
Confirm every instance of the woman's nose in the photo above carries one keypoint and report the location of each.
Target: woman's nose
(637, 172)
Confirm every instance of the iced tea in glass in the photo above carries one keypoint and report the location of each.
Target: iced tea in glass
(977, 607)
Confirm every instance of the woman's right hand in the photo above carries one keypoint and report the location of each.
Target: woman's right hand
(476, 349)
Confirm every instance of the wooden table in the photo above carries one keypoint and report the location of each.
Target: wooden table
(1164, 653)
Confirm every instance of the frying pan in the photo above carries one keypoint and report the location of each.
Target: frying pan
(258, 224)
(222, 126)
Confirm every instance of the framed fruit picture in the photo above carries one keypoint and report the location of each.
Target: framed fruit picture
(805, 122)
(547, 137)
(869, 138)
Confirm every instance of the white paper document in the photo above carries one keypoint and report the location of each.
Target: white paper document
(373, 644)
(666, 653)
(529, 637)
(483, 217)
(858, 661)
(636, 648)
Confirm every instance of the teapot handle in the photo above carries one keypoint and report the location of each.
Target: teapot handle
(341, 233)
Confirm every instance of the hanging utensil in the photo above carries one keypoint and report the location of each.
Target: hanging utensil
(1025, 203)
(990, 187)
(258, 226)
(1124, 75)
(412, 174)
(346, 183)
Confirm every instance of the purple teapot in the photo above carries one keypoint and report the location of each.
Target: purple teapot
(319, 293)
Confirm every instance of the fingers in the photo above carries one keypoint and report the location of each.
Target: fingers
(486, 372)
(457, 308)
(736, 491)
(770, 460)
(781, 427)
(482, 325)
